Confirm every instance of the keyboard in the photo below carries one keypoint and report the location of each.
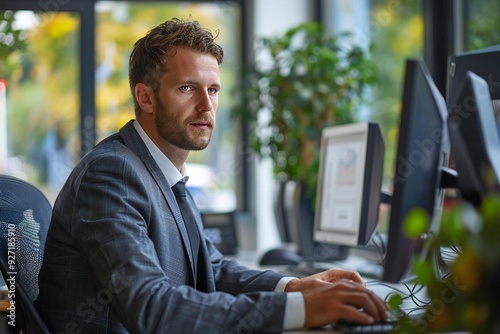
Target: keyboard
(301, 270)
(385, 327)
(377, 328)
(304, 269)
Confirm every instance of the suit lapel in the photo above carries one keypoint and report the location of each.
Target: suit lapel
(134, 142)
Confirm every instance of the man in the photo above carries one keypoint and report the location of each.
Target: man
(121, 256)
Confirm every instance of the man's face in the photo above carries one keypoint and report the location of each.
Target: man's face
(187, 100)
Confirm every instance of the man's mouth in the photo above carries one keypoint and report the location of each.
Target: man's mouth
(202, 125)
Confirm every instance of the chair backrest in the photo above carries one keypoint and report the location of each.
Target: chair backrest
(24, 220)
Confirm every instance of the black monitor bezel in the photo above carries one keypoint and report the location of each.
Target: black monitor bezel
(474, 140)
(482, 62)
(400, 248)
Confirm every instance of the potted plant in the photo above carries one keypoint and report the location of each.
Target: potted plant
(302, 81)
(464, 298)
(306, 80)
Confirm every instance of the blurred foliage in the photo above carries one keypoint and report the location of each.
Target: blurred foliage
(397, 30)
(303, 81)
(464, 298)
(12, 45)
(482, 24)
(42, 86)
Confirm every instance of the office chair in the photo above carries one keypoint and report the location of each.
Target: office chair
(24, 220)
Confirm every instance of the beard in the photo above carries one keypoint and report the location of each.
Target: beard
(179, 133)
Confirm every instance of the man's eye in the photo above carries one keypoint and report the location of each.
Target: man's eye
(184, 88)
(212, 90)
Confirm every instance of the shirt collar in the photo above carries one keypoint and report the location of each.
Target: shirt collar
(167, 167)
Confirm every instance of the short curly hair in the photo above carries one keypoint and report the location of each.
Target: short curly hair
(149, 57)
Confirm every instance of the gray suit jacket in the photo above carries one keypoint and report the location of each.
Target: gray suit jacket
(118, 259)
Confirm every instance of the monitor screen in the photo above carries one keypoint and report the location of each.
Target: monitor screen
(484, 63)
(422, 152)
(349, 184)
(474, 140)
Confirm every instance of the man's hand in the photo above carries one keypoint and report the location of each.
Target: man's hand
(328, 276)
(338, 294)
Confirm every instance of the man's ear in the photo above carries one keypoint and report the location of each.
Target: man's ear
(145, 97)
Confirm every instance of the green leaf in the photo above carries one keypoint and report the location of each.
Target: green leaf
(395, 301)
(416, 223)
(489, 209)
(424, 271)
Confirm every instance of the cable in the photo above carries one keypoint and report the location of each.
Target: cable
(410, 292)
(380, 248)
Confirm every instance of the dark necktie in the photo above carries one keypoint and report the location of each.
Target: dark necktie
(179, 190)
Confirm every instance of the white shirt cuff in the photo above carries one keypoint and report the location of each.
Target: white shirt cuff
(295, 312)
(280, 287)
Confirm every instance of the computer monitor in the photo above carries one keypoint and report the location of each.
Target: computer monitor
(484, 63)
(422, 155)
(349, 184)
(474, 140)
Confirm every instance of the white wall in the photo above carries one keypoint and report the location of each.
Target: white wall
(272, 17)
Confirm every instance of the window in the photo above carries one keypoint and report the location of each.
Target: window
(481, 24)
(396, 30)
(39, 122)
(47, 116)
